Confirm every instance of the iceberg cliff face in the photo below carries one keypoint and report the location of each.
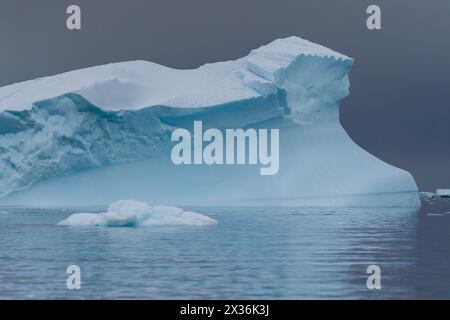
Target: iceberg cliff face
(94, 135)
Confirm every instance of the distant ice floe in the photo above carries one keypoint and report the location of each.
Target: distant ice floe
(440, 193)
(443, 193)
(132, 213)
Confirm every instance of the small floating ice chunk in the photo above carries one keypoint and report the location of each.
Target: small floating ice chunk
(443, 193)
(440, 193)
(427, 195)
(83, 219)
(132, 213)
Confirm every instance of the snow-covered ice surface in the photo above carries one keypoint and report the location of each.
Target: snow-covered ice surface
(95, 135)
(132, 213)
(140, 84)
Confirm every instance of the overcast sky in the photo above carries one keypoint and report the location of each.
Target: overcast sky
(398, 108)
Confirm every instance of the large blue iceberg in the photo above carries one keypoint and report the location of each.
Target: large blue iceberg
(103, 133)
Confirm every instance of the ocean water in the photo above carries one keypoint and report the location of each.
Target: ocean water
(253, 253)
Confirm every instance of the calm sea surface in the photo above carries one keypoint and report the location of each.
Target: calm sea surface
(253, 253)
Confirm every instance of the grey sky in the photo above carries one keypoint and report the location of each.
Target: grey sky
(398, 108)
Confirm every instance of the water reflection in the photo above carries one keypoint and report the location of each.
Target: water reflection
(272, 253)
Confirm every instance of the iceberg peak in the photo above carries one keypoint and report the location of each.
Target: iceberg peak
(133, 85)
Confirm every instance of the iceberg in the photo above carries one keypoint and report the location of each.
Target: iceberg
(94, 135)
(132, 213)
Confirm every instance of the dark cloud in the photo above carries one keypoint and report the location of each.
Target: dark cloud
(398, 107)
